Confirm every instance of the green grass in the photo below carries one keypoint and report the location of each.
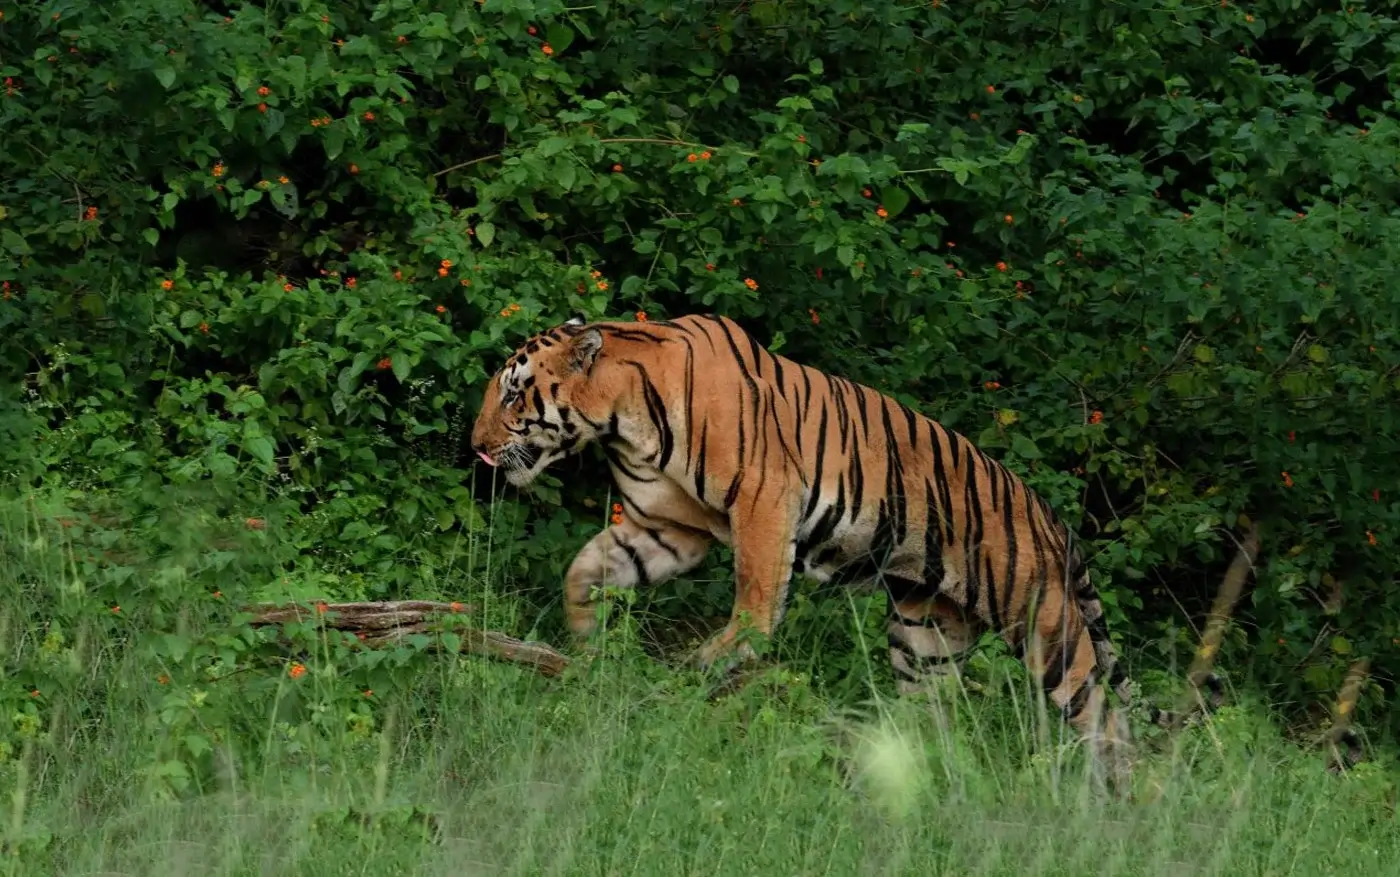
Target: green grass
(454, 765)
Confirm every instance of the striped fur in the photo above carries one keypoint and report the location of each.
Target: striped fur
(709, 436)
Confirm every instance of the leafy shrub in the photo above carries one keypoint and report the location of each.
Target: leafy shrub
(1143, 253)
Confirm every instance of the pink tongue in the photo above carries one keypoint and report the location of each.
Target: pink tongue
(486, 458)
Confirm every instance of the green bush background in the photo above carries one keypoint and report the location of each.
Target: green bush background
(259, 266)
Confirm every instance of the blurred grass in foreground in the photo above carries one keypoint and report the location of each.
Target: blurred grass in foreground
(164, 738)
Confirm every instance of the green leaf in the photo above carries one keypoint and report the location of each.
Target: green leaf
(731, 84)
(486, 233)
(334, 140)
(894, 200)
(259, 447)
(1024, 447)
(401, 365)
(559, 37)
(151, 236)
(165, 75)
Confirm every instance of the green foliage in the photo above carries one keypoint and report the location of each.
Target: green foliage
(1142, 252)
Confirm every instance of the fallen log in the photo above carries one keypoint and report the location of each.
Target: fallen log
(386, 622)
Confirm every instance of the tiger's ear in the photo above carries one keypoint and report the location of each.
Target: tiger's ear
(583, 349)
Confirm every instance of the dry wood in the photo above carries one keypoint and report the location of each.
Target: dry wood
(1220, 612)
(1343, 747)
(382, 623)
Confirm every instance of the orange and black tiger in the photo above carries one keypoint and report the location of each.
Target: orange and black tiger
(711, 436)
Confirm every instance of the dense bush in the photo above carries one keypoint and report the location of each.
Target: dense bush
(1141, 251)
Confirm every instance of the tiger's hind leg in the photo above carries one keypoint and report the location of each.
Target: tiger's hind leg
(627, 555)
(1061, 653)
(929, 640)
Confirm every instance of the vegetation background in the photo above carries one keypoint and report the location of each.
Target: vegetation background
(258, 259)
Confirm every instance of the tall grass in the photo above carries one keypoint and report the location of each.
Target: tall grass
(452, 765)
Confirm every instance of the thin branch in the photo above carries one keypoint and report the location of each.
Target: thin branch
(655, 141)
(385, 623)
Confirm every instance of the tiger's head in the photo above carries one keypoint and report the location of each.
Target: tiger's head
(531, 416)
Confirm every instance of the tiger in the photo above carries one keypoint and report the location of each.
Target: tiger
(709, 437)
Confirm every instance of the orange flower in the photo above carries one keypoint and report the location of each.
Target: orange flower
(881, 211)
(690, 157)
(162, 679)
(354, 169)
(547, 49)
(402, 39)
(1008, 219)
(601, 284)
(264, 91)
(287, 287)
(442, 272)
(398, 275)
(204, 327)
(116, 610)
(456, 607)
(991, 385)
(813, 313)
(991, 89)
(350, 282)
(283, 180)
(737, 202)
(369, 117)
(321, 607)
(617, 508)
(441, 309)
(1287, 480)
(1096, 417)
(617, 519)
(1370, 537)
(750, 283)
(1001, 266)
(617, 168)
(90, 214)
(167, 285)
(255, 523)
(296, 671)
(709, 266)
(385, 363)
(218, 169)
(641, 316)
(865, 192)
(705, 156)
(446, 263)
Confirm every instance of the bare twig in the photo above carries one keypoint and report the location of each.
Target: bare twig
(1343, 747)
(655, 141)
(384, 623)
(1222, 609)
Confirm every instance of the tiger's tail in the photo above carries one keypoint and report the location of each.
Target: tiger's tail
(1086, 596)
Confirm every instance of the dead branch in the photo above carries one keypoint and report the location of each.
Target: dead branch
(1221, 610)
(383, 623)
(1343, 747)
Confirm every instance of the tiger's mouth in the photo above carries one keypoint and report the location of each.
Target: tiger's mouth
(521, 464)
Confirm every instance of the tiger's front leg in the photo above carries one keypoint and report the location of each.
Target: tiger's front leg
(764, 548)
(627, 555)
